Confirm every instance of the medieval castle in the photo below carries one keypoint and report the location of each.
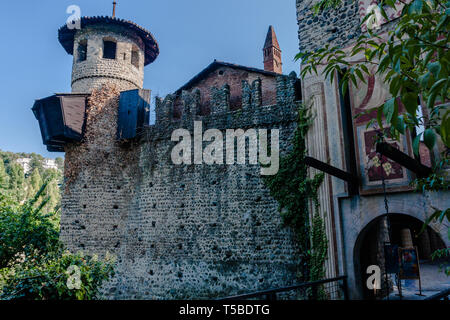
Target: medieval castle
(208, 231)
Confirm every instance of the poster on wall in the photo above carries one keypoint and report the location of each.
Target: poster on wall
(409, 263)
(392, 264)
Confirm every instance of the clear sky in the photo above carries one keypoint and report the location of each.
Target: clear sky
(190, 33)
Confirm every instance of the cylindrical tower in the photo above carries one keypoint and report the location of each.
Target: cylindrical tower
(108, 50)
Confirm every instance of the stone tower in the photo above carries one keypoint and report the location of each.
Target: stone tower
(108, 50)
(337, 27)
(272, 53)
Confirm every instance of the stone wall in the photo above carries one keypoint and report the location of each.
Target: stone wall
(334, 27)
(96, 71)
(179, 231)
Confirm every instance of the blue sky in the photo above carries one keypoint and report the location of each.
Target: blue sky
(190, 33)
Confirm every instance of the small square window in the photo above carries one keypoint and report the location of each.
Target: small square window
(109, 49)
(82, 51)
(135, 58)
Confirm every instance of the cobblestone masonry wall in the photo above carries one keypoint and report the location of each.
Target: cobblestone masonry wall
(96, 71)
(189, 231)
(334, 27)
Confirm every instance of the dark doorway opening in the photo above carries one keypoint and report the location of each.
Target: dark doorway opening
(369, 248)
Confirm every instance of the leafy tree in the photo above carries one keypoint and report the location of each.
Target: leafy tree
(53, 190)
(22, 186)
(24, 230)
(34, 182)
(4, 178)
(36, 162)
(16, 181)
(33, 264)
(60, 163)
(440, 216)
(413, 61)
(58, 276)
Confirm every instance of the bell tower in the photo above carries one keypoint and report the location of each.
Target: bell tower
(272, 53)
(108, 50)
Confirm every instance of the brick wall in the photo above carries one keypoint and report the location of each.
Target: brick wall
(233, 77)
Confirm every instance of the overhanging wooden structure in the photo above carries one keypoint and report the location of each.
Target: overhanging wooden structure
(351, 179)
(403, 159)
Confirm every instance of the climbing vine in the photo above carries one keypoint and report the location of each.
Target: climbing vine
(293, 189)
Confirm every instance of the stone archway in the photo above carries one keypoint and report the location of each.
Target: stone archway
(369, 246)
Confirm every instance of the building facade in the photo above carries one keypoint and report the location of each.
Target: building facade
(208, 231)
(178, 231)
(356, 221)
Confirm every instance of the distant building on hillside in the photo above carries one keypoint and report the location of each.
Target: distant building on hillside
(49, 164)
(25, 163)
(46, 164)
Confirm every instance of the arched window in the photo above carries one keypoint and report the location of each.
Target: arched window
(109, 49)
(135, 57)
(82, 51)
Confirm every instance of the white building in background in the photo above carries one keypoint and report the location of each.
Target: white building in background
(25, 163)
(46, 164)
(49, 164)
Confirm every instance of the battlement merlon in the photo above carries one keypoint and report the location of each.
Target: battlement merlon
(220, 99)
(186, 106)
(251, 95)
(164, 109)
(288, 89)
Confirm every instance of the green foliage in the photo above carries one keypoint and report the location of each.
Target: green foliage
(293, 189)
(440, 216)
(47, 278)
(442, 254)
(325, 5)
(60, 163)
(16, 181)
(436, 181)
(413, 61)
(4, 178)
(35, 181)
(319, 248)
(24, 230)
(21, 186)
(33, 264)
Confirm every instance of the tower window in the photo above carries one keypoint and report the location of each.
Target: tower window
(135, 57)
(109, 49)
(82, 50)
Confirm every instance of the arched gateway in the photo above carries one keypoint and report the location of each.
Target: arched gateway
(405, 232)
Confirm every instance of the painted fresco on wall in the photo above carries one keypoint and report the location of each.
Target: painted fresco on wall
(372, 167)
(365, 6)
(368, 95)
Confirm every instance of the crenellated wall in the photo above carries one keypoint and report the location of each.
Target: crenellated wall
(179, 231)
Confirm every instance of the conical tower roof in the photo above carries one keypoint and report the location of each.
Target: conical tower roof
(271, 39)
